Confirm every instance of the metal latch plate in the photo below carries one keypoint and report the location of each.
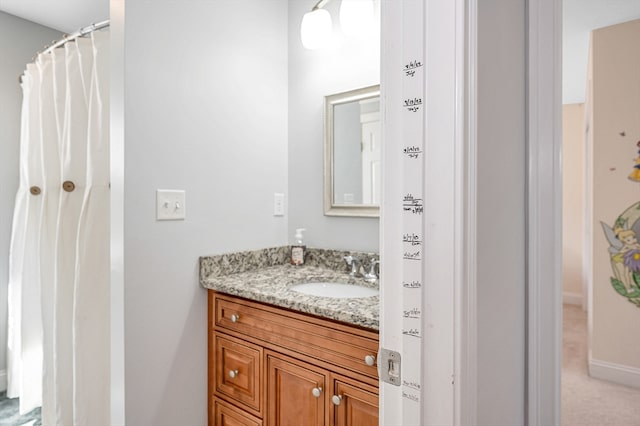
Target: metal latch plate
(389, 364)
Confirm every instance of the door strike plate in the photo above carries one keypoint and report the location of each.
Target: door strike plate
(389, 366)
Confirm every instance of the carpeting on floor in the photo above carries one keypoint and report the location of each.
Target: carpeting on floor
(9, 413)
(587, 401)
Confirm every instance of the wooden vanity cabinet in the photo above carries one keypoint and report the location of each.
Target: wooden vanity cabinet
(272, 366)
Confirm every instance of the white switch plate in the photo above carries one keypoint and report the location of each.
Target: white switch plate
(278, 204)
(170, 204)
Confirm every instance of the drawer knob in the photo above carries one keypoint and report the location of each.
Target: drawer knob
(235, 318)
(370, 360)
(316, 392)
(233, 373)
(336, 399)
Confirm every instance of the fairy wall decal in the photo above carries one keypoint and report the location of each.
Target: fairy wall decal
(624, 251)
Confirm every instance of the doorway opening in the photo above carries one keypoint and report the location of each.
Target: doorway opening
(600, 368)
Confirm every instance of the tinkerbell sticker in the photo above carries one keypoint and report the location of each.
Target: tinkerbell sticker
(635, 173)
(624, 251)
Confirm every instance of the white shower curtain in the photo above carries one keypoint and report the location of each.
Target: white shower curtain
(58, 334)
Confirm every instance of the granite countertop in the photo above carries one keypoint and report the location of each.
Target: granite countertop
(265, 276)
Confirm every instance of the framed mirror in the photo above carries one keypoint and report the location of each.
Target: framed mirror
(352, 153)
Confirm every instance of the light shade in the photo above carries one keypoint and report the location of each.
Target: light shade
(315, 30)
(357, 17)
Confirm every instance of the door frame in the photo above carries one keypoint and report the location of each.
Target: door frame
(544, 221)
(542, 310)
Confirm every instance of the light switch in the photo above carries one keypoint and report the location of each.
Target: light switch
(278, 204)
(170, 204)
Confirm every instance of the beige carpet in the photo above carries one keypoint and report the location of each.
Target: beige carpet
(587, 401)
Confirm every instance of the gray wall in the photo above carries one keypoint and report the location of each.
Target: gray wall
(347, 64)
(205, 111)
(20, 40)
(501, 212)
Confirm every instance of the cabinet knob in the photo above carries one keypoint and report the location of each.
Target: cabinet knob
(235, 318)
(233, 373)
(370, 360)
(316, 392)
(336, 399)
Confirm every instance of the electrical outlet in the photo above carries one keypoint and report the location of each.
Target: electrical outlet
(170, 204)
(278, 204)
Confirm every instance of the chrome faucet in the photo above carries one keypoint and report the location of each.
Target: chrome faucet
(371, 276)
(353, 262)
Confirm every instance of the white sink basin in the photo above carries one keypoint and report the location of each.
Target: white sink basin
(335, 290)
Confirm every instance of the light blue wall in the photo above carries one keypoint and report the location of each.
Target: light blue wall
(20, 40)
(205, 111)
(345, 65)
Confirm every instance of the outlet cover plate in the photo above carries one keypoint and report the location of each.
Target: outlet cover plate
(278, 204)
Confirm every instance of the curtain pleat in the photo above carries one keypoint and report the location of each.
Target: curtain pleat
(58, 355)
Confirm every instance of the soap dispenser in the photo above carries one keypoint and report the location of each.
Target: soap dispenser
(298, 251)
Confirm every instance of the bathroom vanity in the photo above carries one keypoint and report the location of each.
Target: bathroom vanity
(279, 357)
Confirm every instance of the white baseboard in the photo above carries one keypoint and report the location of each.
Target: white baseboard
(616, 373)
(572, 298)
(3, 380)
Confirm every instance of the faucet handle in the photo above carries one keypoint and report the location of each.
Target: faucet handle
(353, 262)
(371, 276)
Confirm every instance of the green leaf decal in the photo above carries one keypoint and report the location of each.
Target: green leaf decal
(634, 295)
(636, 279)
(619, 287)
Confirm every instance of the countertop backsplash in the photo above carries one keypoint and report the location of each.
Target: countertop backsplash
(245, 261)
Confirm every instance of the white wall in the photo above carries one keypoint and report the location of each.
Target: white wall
(500, 217)
(206, 111)
(20, 40)
(347, 64)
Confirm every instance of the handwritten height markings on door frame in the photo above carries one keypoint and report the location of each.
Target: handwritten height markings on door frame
(410, 69)
(415, 243)
(412, 104)
(412, 223)
(412, 204)
(412, 152)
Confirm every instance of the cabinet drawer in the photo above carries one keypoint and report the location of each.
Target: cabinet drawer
(227, 415)
(325, 340)
(238, 372)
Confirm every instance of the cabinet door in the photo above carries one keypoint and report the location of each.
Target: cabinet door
(238, 372)
(353, 406)
(295, 392)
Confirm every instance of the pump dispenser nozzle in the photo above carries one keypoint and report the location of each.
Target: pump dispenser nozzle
(298, 235)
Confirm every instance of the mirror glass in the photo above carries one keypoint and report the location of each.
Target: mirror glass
(352, 159)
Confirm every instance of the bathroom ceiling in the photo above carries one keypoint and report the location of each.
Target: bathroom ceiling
(66, 16)
(579, 18)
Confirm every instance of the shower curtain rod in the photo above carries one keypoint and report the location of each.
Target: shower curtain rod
(80, 33)
(70, 37)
